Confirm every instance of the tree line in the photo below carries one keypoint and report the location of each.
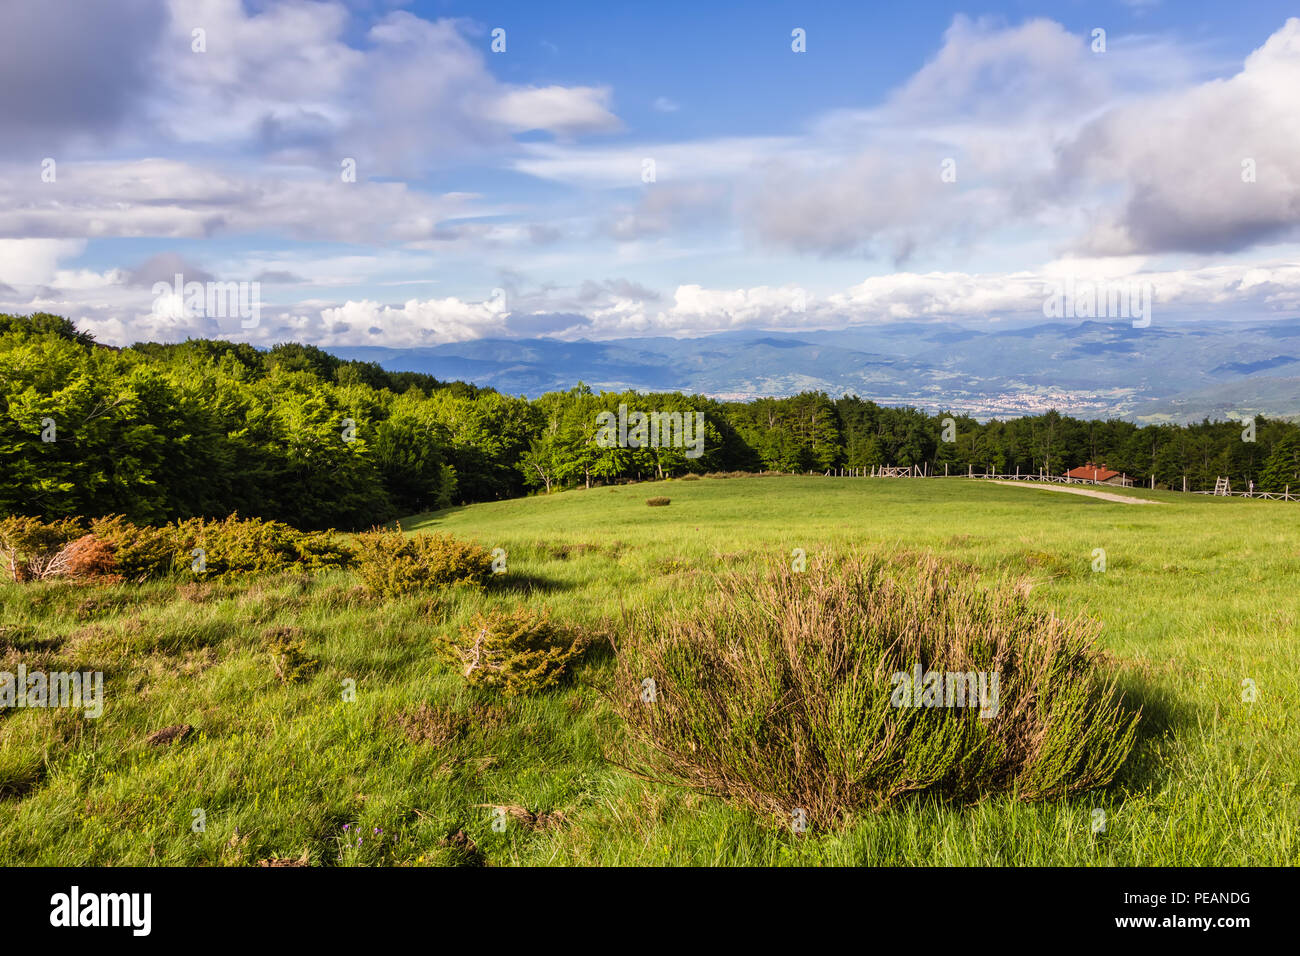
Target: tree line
(205, 428)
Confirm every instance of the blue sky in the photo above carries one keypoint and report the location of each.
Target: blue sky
(926, 161)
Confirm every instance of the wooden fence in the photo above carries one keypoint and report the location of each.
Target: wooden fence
(1268, 495)
(1222, 488)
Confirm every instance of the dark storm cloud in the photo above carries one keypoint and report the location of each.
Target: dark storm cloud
(164, 267)
(622, 288)
(73, 72)
(545, 323)
(279, 277)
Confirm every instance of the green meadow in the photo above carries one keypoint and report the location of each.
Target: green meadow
(1200, 613)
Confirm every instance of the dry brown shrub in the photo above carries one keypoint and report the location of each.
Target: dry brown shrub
(88, 558)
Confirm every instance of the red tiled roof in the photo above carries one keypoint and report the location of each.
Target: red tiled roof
(1091, 472)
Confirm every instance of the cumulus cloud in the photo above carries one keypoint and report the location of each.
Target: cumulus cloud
(961, 151)
(34, 262)
(1033, 129)
(112, 305)
(1261, 290)
(286, 79)
(543, 234)
(1055, 149)
(414, 323)
(986, 72)
(279, 73)
(1209, 169)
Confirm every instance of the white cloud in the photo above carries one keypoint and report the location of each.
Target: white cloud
(1022, 112)
(282, 71)
(286, 80)
(118, 311)
(168, 198)
(622, 166)
(25, 262)
(414, 323)
(567, 110)
(1181, 158)
(994, 102)
(1113, 158)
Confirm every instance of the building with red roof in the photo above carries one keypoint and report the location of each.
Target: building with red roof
(1099, 474)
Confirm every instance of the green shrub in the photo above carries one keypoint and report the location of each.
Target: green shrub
(320, 550)
(515, 652)
(387, 564)
(451, 560)
(140, 552)
(288, 649)
(390, 563)
(231, 546)
(658, 502)
(783, 692)
(237, 545)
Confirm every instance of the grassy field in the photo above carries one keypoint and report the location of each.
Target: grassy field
(1198, 595)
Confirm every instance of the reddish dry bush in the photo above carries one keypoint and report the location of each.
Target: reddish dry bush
(88, 558)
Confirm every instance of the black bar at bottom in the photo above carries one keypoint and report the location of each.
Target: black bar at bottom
(340, 905)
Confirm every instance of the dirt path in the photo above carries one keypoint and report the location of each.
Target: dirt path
(1068, 489)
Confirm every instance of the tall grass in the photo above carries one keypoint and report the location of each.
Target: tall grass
(1198, 595)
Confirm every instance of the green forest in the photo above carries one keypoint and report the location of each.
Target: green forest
(157, 432)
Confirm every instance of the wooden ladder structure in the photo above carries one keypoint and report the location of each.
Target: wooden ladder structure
(1221, 486)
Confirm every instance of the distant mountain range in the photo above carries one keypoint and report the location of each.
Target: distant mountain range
(1174, 373)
